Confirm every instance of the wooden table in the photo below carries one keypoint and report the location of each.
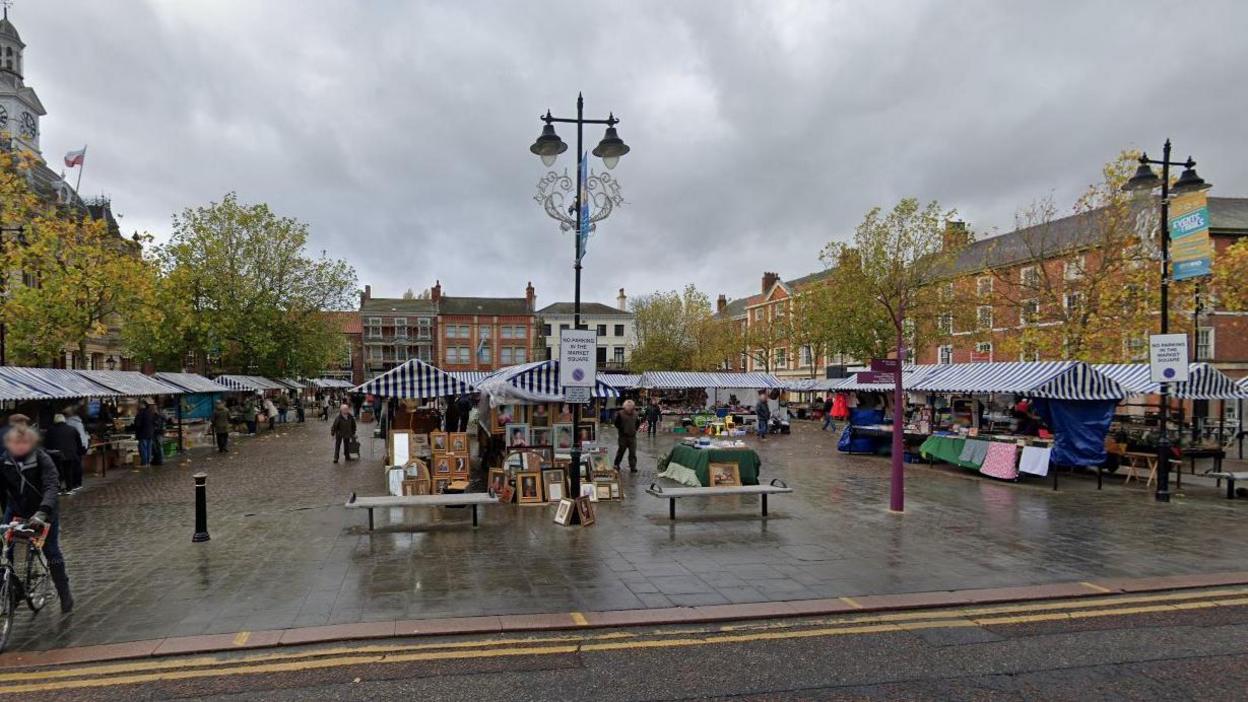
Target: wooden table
(1141, 459)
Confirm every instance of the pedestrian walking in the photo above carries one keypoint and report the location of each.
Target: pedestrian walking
(73, 420)
(65, 446)
(627, 421)
(28, 484)
(270, 411)
(343, 431)
(250, 411)
(654, 415)
(762, 414)
(324, 408)
(221, 426)
(145, 431)
(827, 412)
(283, 406)
(297, 401)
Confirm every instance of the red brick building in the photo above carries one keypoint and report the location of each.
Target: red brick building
(396, 329)
(484, 333)
(351, 366)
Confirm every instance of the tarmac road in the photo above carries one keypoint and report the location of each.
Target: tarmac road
(1178, 645)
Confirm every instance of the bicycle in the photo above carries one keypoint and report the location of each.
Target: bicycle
(35, 588)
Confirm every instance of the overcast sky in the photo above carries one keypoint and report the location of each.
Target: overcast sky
(760, 130)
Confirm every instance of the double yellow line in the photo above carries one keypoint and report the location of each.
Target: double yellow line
(260, 663)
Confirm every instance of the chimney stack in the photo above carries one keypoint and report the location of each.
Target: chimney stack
(366, 294)
(622, 301)
(956, 236)
(530, 296)
(721, 303)
(769, 281)
(435, 293)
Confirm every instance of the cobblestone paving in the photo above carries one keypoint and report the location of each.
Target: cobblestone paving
(285, 552)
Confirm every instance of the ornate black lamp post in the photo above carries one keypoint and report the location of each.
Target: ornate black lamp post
(548, 146)
(1146, 179)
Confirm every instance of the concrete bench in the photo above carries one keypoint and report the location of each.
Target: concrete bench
(467, 499)
(1230, 479)
(671, 494)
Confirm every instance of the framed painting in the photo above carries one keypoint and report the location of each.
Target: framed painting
(563, 513)
(540, 436)
(602, 491)
(529, 487)
(438, 441)
(724, 474)
(539, 417)
(517, 435)
(442, 463)
(585, 508)
(459, 442)
(554, 485)
(440, 485)
(563, 436)
(498, 478)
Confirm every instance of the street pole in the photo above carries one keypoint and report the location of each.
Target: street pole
(576, 300)
(1163, 440)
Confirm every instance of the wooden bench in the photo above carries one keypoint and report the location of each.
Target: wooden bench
(1230, 479)
(467, 499)
(671, 494)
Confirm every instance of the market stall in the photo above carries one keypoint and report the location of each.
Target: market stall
(695, 401)
(690, 463)
(196, 406)
(1073, 399)
(406, 388)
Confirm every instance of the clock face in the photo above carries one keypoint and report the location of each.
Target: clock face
(28, 125)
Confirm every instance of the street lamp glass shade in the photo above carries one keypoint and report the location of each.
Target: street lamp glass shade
(548, 145)
(1189, 182)
(611, 148)
(1144, 179)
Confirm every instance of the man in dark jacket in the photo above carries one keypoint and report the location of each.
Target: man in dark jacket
(452, 414)
(145, 431)
(221, 426)
(28, 485)
(654, 414)
(463, 405)
(343, 431)
(827, 412)
(762, 413)
(627, 422)
(67, 445)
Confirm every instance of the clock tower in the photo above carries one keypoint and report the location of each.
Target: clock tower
(20, 108)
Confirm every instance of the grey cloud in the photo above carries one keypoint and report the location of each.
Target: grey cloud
(760, 130)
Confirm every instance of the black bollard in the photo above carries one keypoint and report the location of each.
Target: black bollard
(201, 508)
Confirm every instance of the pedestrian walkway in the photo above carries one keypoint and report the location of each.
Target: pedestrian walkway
(285, 553)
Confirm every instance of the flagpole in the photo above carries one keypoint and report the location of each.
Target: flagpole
(81, 167)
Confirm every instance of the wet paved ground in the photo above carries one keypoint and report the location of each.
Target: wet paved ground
(285, 553)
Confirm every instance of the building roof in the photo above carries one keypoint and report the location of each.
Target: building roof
(1078, 231)
(595, 309)
(349, 320)
(8, 30)
(736, 308)
(398, 307)
(484, 305)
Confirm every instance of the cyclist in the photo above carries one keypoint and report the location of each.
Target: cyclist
(28, 486)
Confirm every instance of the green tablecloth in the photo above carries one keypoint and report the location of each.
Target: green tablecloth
(947, 449)
(699, 461)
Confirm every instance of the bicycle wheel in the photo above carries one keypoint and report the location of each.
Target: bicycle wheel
(7, 598)
(38, 579)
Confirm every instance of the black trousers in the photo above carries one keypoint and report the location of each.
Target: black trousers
(70, 470)
(223, 441)
(627, 443)
(342, 443)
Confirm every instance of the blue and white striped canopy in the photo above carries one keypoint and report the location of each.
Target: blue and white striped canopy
(331, 383)
(620, 381)
(57, 383)
(1205, 382)
(469, 377)
(910, 374)
(689, 380)
(247, 383)
(1058, 380)
(132, 383)
(533, 382)
(415, 380)
(192, 382)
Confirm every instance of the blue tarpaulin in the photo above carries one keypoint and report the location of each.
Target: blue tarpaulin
(1079, 429)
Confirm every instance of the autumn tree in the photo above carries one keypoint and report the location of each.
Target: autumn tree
(1082, 287)
(1230, 277)
(238, 292)
(900, 255)
(69, 278)
(678, 331)
(764, 334)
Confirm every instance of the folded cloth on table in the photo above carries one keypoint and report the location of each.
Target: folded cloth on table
(974, 452)
(1035, 460)
(999, 463)
(685, 476)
